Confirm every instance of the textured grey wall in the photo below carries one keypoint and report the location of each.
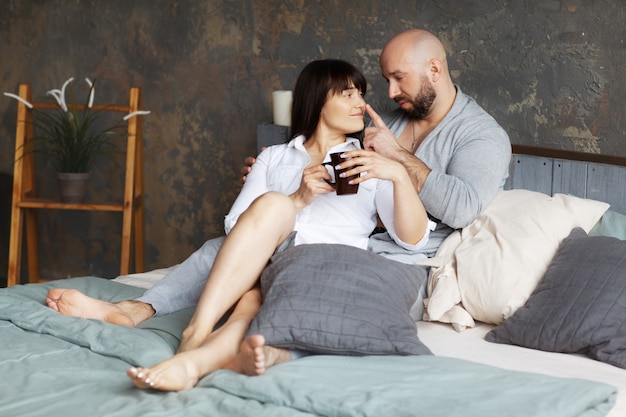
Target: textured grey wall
(551, 72)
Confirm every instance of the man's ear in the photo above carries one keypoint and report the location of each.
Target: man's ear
(435, 68)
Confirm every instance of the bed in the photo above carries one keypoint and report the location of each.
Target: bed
(53, 365)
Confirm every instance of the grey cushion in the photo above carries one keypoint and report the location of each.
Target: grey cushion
(337, 299)
(580, 304)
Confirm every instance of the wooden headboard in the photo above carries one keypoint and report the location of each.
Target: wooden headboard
(551, 171)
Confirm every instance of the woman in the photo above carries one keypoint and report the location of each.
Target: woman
(287, 192)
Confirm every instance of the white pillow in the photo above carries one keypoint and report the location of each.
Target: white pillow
(504, 253)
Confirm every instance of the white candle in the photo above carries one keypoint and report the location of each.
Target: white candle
(281, 106)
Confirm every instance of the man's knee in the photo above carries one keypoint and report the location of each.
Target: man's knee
(211, 246)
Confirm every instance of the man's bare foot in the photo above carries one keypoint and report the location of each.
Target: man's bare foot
(71, 302)
(255, 357)
(175, 374)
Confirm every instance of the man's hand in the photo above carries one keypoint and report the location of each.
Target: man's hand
(379, 138)
(245, 170)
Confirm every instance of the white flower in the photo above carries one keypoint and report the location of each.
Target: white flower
(56, 93)
(69, 80)
(20, 99)
(136, 113)
(92, 91)
(59, 96)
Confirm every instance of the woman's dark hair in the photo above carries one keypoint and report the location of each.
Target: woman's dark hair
(316, 79)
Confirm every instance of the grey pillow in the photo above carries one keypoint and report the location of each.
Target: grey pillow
(579, 306)
(336, 299)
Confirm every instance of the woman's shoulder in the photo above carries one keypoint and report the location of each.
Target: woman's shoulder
(274, 149)
(279, 153)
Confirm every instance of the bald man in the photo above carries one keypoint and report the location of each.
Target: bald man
(456, 154)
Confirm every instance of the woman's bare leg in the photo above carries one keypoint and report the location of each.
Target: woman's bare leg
(184, 370)
(239, 263)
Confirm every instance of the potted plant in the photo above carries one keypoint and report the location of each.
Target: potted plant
(71, 138)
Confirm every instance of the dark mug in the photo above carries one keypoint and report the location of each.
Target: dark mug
(341, 184)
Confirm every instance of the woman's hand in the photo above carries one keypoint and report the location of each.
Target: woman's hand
(313, 183)
(370, 164)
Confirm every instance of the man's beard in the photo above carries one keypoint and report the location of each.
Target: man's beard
(422, 102)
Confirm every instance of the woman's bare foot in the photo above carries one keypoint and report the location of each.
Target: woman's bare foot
(71, 302)
(175, 374)
(193, 337)
(255, 357)
(184, 370)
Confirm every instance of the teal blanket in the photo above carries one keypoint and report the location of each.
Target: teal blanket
(51, 365)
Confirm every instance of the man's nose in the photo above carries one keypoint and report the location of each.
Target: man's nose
(393, 90)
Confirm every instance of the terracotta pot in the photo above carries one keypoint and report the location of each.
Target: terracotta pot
(73, 186)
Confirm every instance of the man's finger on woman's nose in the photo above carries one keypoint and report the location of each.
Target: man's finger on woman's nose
(376, 119)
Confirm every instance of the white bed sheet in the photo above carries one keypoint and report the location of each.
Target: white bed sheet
(469, 344)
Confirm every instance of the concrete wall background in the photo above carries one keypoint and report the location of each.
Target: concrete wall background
(552, 72)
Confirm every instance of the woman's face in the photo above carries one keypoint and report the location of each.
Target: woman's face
(343, 112)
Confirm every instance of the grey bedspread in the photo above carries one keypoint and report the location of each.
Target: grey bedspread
(51, 365)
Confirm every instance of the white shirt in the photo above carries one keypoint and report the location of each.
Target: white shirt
(345, 219)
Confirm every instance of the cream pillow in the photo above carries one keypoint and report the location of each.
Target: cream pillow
(504, 253)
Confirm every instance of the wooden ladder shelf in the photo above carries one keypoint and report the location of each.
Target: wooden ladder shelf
(25, 200)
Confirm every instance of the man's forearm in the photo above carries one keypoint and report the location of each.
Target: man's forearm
(417, 169)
